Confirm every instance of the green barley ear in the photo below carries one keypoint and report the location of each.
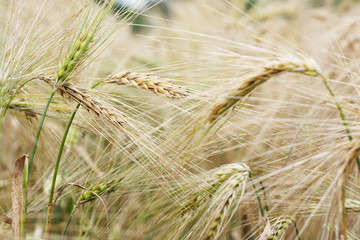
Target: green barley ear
(100, 189)
(74, 57)
(280, 228)
(73, 137)
(249, 4)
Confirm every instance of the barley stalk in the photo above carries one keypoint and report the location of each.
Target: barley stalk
(89, 102)
(250, 83)
(148, 82)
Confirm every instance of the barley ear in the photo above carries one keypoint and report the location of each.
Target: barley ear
(213, 203)
(280, 228)
(74, 57)
(87, 100)
(100, 189)
(254, 80)
(148, 82)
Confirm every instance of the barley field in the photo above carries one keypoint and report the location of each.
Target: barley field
(180, 119)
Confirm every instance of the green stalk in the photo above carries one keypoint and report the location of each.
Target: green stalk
(342, 115)
(297, 230)
(57, 164)
(27, 170)
(47, 222)
(257, 195)
(265, 198)
(68, 223)
(60, 153)
(38, 134)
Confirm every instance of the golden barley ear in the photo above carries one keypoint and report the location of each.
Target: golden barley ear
(85, 99)
(252, 81)
(148, 82)
(211, 204)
